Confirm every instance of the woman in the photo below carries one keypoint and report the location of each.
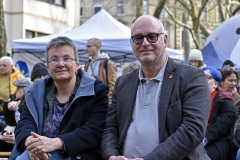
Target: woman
(64, 112)
(196, 59)
(230, 79)
(229, 83)
(217, 142)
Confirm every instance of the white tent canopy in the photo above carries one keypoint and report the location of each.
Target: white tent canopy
(114, 35)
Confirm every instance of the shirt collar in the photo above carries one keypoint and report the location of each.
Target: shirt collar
(159, 76)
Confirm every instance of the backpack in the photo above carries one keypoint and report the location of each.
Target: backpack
(105, 64)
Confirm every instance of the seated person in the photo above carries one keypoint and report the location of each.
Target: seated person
(7, 137)
(39, 71)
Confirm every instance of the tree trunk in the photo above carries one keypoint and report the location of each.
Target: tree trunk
(3, 37)
(185, 38)
(139, 8)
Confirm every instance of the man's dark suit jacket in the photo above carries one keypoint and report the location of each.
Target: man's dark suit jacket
(183, 114)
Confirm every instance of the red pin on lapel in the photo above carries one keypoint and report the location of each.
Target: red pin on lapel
(170, 75)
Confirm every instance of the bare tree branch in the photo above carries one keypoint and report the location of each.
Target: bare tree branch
(159, 8)
(175, 20)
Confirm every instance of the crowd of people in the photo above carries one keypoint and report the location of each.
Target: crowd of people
(157, 109)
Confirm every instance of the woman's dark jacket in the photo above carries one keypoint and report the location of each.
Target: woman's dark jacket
(220, 128)
(81, 126)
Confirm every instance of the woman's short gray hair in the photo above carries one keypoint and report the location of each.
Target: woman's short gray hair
(61, 41)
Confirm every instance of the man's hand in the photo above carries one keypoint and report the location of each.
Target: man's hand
(9, 137)
(12, 105)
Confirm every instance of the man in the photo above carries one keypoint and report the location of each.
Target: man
(8, 74)
(159, 111)
(99, 65)
(64, 112)
(227, 64)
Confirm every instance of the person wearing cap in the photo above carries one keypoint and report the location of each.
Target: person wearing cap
(196, 59)
(227, 64)
(7, 137)
(20, 84)
(39, 71)
(222, 116)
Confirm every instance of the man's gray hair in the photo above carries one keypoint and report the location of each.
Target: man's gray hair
(9, 59)
(61, 41)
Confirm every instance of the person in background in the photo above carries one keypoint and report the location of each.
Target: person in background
(39, 71)
(64, 112)
(160, 110)
(218, 142)
(129, 67)
(8, 74)
(227, 64)
(230, 79)
(229, 82)
(7, 136)
(196, 59)
(99, 66)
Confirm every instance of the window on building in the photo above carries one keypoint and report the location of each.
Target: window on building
(81, 9)
(120, 7)
(204, 15)
(56, 2)
(39, 34)
(97, 7)
(29, 34)
(32, 34)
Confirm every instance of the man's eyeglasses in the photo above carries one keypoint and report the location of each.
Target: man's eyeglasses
(151, 38)
(3, 65)
(65, 60)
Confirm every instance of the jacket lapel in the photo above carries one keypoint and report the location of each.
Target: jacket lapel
(127, 105)
(165, 95)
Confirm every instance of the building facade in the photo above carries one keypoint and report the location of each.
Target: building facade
(34, 18)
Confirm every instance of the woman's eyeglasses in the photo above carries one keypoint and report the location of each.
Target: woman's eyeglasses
(151, 38)
(65, 60)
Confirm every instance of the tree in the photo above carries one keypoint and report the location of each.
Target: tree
(3, 37)
(195, 9)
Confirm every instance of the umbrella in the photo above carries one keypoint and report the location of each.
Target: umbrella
(226, 38)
